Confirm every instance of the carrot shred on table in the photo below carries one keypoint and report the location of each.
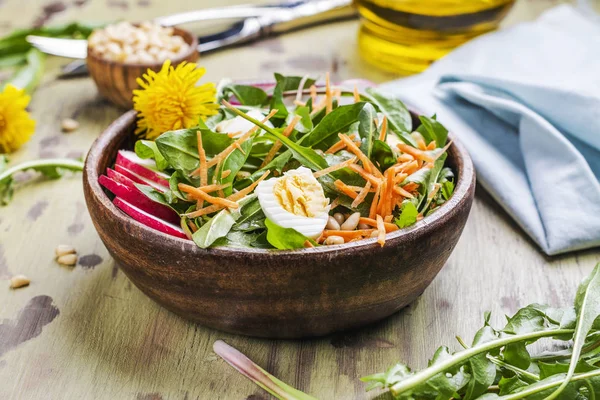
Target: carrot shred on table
(373, 208)
(364, 174)
(202, 156)
(381, 230)
(416, 153)
(335, 167)
(277, 145)
(342, 187)
(384, 127)
(361, 195)
(356, 94)
(196, 194)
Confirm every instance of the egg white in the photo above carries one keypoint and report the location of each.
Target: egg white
(240, 124)
(311, 227)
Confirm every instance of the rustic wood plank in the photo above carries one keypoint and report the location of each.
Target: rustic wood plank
(87, 332)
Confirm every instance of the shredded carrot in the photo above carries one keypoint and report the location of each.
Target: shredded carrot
(225, 173)
(308, 244)
(333, 168)
(420, 216)
(318, 107)
(403, 192)
(381, 229)
(428, 165)
(432, 145)
(299, 103)
(337, 93)
(383, 132)
(336, 147)
(313, 95)
(223, 155)
(234, 197)
(277, 145)
(416, 153)
(202, 156)
(237, 196)
(335, 203)
(411, 187)
(399, 178)
(342, 187)
(192, 226)
(359, 188)
(329, 103)
(196, 193)
(405, 157)
(389, 200)
(353, 148)
(301, 88)
(356, 94)
(373, 209)
(418, 138)
(213, 188)
(348, 234)
(411, 167)
(362, 195)
(436, 188)
(388, 219)
(367, 176)
(389, 227)
(382, 197)
(234, 134)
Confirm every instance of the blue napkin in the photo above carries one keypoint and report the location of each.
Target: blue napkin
(525, 101)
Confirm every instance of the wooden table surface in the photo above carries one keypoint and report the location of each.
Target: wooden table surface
(87, 332)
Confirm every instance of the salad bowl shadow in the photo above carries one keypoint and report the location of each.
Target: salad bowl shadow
(275, 293)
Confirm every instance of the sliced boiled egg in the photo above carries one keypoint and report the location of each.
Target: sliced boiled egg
(295, 200)
(241, 125)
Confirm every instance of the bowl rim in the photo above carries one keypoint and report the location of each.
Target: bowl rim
(463, 187)
(189, 37)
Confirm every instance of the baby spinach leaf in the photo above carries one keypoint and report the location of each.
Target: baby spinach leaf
(218, 227)
(305, 124)
(382, 155)
(246, 95)
(447, 190)
(285, 238)
(367, 129)
(261, 242)
(252, 218)
(399, 119)
(234, 163)
(285, 83)
(408, 215)
(481, 369)
(237, 239)
(179, 207)
(147, 149)
(336, 121)
(432, 130)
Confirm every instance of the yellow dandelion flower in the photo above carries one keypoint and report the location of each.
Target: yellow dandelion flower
(16, 126)
(169, 99)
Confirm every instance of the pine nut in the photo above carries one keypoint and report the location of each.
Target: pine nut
(67, 259)
(63, 249)
(334, 240)
(351, 223)
(69, 125)
(18, 281)
(332, 224)
(339, 217)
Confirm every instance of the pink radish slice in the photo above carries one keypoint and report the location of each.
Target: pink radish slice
(149, 220)
(139, 179)
(138, 199)
(145, 168)
(120, 178)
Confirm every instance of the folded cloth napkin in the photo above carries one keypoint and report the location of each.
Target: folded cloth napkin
(525, 101)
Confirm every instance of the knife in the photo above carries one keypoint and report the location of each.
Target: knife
(258, 22)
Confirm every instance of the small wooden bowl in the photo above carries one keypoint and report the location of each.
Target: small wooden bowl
(116, 81)
(277, 294)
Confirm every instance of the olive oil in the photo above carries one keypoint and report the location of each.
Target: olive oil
(406, 36)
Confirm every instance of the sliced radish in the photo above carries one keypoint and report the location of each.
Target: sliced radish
(135, 197)
(145, 168)
(119, 177)
(139, 179)
(148, 219)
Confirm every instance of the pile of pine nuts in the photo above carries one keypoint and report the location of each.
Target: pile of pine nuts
(129, 44)
(339, 221)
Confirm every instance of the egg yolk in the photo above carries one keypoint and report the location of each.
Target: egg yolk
(300, 195)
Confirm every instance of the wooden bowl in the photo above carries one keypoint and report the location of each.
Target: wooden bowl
(116, 81)
(276, 294)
